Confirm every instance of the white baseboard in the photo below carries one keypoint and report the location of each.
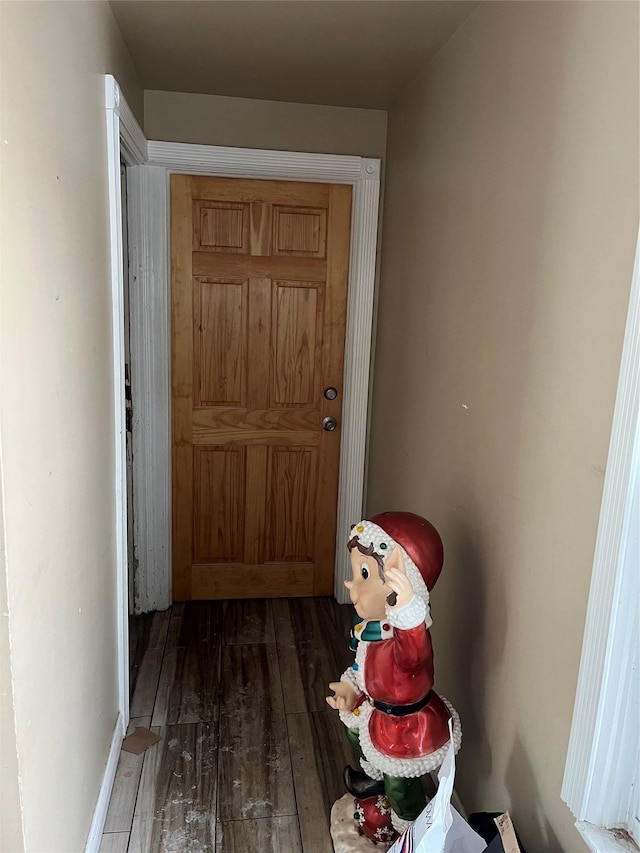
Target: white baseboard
(102, 805)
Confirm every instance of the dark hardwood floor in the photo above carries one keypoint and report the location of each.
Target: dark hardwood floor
(251, 756)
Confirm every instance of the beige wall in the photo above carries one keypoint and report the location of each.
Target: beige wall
(56, 426)
(510, 227)
(246, 123)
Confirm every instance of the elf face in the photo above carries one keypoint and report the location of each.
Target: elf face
(367, 590)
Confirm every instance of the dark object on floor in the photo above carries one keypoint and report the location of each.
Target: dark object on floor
(484, 824)
(360, 785)
(140, 740)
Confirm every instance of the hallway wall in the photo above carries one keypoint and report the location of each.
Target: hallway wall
(56, 422)
(274, 125)
(511, 220)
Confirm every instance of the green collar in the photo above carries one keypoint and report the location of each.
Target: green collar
(369, 630)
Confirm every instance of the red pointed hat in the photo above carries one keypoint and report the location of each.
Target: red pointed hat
(419, 538)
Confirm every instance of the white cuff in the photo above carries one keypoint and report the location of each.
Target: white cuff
(410, 615)
(350, 677)
(399, 823)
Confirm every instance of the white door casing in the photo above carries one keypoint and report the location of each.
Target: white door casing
(124, 141)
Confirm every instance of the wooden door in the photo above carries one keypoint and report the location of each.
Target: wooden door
(259, 284)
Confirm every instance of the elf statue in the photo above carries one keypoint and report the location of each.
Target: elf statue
(395, 719)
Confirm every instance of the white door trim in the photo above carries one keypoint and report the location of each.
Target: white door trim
(261, 164)
(124, 140)
(150, 385)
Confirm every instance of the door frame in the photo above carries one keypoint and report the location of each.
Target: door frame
(150, 163)
(124, 141)
(363, 174)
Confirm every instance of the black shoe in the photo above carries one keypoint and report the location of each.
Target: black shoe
(360, 785)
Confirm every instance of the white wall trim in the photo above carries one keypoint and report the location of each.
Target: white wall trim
(357, 362)
(133, 142)
(124, 139)
(261, 164)
(596, 758)
(102, 806)
(113, 102)
(150, 385)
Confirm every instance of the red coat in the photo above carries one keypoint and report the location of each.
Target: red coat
(399, 671)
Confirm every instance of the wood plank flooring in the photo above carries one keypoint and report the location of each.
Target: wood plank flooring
(251, 756)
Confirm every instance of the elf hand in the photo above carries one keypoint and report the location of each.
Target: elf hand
(395, 575)
(345, 698)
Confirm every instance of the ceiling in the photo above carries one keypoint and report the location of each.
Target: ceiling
(355, 53)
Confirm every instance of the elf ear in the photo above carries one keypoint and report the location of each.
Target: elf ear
(395, 560)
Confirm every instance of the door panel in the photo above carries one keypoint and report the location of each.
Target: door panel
(290, 500)
(220, 335)
(220, 227)
(259, 281)
(300, 231)
(297, 342)
(219, 477)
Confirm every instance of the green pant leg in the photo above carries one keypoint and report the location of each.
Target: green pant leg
(354, 739)
(406, 796)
